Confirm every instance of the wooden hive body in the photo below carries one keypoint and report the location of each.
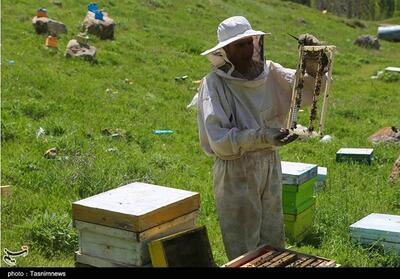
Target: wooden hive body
(378, 229)
(124, 247)
(116, 226)
(267, 256)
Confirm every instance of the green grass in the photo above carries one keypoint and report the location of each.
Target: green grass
(155, 42)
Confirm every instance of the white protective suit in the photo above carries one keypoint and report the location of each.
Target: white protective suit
(247, 171)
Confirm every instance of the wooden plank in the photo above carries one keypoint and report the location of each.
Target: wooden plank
(274, 259)
(247, 257)
(317, 48)
(183, 222)
(100, 262)
(297, 262)
(284, 261)
(307, 262)
(136, 207)
(316, 263)
(259, 260)
(327, 264)
(133, 254)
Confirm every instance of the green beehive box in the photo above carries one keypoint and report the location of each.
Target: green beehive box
(295, 195)
(296, 210)
(297, 226)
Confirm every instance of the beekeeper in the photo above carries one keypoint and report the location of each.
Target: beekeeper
(242, 108)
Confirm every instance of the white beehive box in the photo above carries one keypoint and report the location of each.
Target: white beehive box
(378, 229)
(294, 173)
(136, 207)
(118, 247)
(115, 226)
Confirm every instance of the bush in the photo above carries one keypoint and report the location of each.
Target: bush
(53, 234)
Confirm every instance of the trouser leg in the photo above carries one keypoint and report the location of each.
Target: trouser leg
(238, 205)
(272, 226)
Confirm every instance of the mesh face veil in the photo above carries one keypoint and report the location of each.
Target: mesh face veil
(219, 60)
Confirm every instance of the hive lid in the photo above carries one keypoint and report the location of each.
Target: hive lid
(297, 173)
(377, 225)
(356, 151)
(136, 207)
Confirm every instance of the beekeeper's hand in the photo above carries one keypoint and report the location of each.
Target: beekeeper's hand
(277, 136)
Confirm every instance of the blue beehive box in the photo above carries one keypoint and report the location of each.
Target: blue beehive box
(364, 155)
(92, 7)
(98, 15)
(378, 229)
(294, 173)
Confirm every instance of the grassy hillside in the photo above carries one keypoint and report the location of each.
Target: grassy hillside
(156, 41)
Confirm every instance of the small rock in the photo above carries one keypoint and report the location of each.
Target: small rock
(76, 49)
(182, 78)
(51, 153)
(386, 134)
(128, 81)
(45, 25)
(40, 132)
(57, 3)
(114, 133)
(104, 28)
(367, 41)
(301, 20)
(326, 139)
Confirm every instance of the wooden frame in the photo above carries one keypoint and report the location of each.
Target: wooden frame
(248, 259)
(297, 89)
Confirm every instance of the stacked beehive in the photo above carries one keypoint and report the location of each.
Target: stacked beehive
(298, 198)
(116, 226)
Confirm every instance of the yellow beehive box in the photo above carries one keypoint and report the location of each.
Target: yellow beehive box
(190, 248)
(136, 207)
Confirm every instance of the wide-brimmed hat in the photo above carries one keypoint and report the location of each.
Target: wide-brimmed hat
(233, 29)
